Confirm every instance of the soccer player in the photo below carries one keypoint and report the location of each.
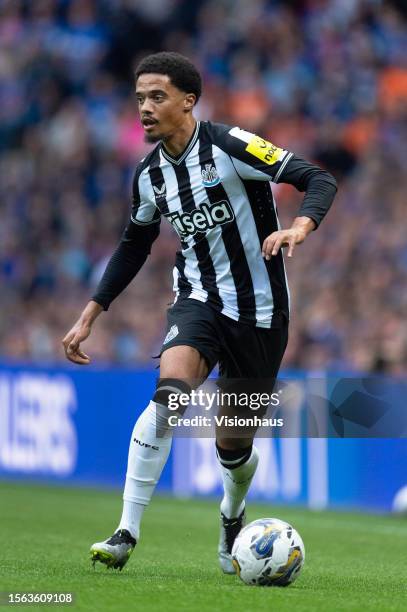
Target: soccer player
(212, 183)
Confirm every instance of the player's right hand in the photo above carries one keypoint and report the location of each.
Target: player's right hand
(72, 341)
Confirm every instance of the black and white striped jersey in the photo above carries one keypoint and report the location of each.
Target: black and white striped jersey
(218, 198)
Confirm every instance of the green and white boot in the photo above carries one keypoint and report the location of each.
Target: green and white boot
(114, 552)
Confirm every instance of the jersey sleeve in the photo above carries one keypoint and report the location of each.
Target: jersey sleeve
(254, 157)
(257, 159)
(126, 261)
(144, 211)
(132, 251)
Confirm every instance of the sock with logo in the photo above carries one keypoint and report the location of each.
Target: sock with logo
(149, 449)
(238, 468)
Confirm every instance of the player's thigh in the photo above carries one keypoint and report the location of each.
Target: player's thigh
(191, 346)
(183, 362)
(248, 368)
(252, 353)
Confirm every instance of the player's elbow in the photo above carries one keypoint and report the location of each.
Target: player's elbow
(320, 180)
(332, 181)
(328, 179)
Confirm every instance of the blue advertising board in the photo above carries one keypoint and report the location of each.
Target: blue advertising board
(73, 425)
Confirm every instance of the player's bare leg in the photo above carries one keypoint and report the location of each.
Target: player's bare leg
(149, 449)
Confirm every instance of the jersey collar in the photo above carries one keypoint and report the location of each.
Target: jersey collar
(180, 158)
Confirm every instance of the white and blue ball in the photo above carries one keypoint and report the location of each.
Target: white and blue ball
(268, 552)
(400, 502)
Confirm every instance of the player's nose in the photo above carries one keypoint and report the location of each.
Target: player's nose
(146, 106)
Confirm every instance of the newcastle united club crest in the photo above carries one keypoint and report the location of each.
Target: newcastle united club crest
(210, 176)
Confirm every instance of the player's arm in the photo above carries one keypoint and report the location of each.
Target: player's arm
(128, 258)
(123, 266)
(126, 261)
(320, 188)
(255, 158)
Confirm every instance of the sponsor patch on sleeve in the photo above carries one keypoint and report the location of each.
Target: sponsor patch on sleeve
(260, 148)
(265, 150)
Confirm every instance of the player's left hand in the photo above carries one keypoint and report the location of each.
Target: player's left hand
(282, 238)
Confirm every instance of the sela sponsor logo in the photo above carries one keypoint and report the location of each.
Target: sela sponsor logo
(160, 192)
(210, 176)
(201, 219)
(140, 443)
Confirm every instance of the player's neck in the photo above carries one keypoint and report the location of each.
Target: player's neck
(178, 141)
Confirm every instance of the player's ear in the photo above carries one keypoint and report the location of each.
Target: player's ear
(189, 102)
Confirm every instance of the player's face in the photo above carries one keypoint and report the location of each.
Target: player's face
(162, 106)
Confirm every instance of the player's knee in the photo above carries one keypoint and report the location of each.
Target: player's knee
(233, 444)
(172, 393)
(185, 363)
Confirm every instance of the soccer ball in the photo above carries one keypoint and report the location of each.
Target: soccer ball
(400, 501)
(268, 552)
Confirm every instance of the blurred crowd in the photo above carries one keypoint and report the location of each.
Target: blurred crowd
(326, 79)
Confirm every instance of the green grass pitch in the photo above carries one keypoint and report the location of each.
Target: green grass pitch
(353, 561)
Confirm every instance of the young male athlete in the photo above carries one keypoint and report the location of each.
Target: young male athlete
(212, 183)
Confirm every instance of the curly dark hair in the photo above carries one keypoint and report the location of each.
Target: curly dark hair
(177, 67)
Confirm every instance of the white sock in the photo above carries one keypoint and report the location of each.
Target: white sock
(131, 518)
(150, 446)
(236, 483)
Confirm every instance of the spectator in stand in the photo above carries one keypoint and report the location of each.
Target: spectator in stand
(326, 78)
